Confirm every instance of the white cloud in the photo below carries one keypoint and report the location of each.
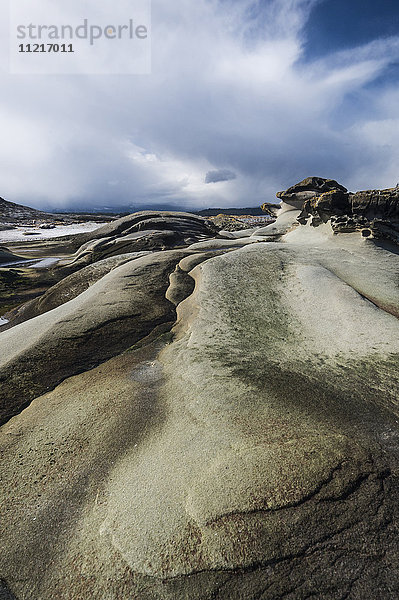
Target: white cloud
(228, 91)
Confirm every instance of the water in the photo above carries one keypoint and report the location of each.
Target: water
(32, 263)
(44, 263)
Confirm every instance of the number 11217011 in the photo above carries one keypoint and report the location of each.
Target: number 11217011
(65, 48)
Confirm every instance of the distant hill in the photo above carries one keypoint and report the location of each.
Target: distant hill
(122, 209)
(16, 213)
(11, 212)
(213, 212)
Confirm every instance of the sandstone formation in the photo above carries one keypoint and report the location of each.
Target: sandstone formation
(145, 230)
(111, 315)
(373, 212)
(68, 288)
(183, 224)
(229, 223)
(210, 418)
(310, 187)
(270, 208)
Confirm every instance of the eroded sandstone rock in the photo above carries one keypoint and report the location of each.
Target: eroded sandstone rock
(251, 452)
(310, 187)
(122, 307)
(141, 231)
(373, 212)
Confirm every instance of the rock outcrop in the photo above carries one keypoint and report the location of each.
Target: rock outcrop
(310, 187)
(270, 208)
(7, 257)
(216, 420)
(372, 212)
(67, 289)
(142, 231)
(111, 315)
(185, 224)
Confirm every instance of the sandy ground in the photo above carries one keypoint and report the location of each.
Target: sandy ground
(17, 235)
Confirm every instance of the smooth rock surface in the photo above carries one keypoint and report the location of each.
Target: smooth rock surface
(68, 288)
(141, 231)
(227, 426)
(108, 317)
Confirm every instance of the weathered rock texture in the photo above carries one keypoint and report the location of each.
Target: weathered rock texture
(110, 316)
(373, 212)
(308, 188)
(67, 289)
(270, 208)
(226, 427)
(145, 230)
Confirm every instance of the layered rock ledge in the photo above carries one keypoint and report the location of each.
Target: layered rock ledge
(373, 212)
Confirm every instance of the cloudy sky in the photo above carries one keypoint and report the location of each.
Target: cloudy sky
(245, 98)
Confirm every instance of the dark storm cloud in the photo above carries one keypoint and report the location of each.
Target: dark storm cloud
(224, 93)
(220, 175)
